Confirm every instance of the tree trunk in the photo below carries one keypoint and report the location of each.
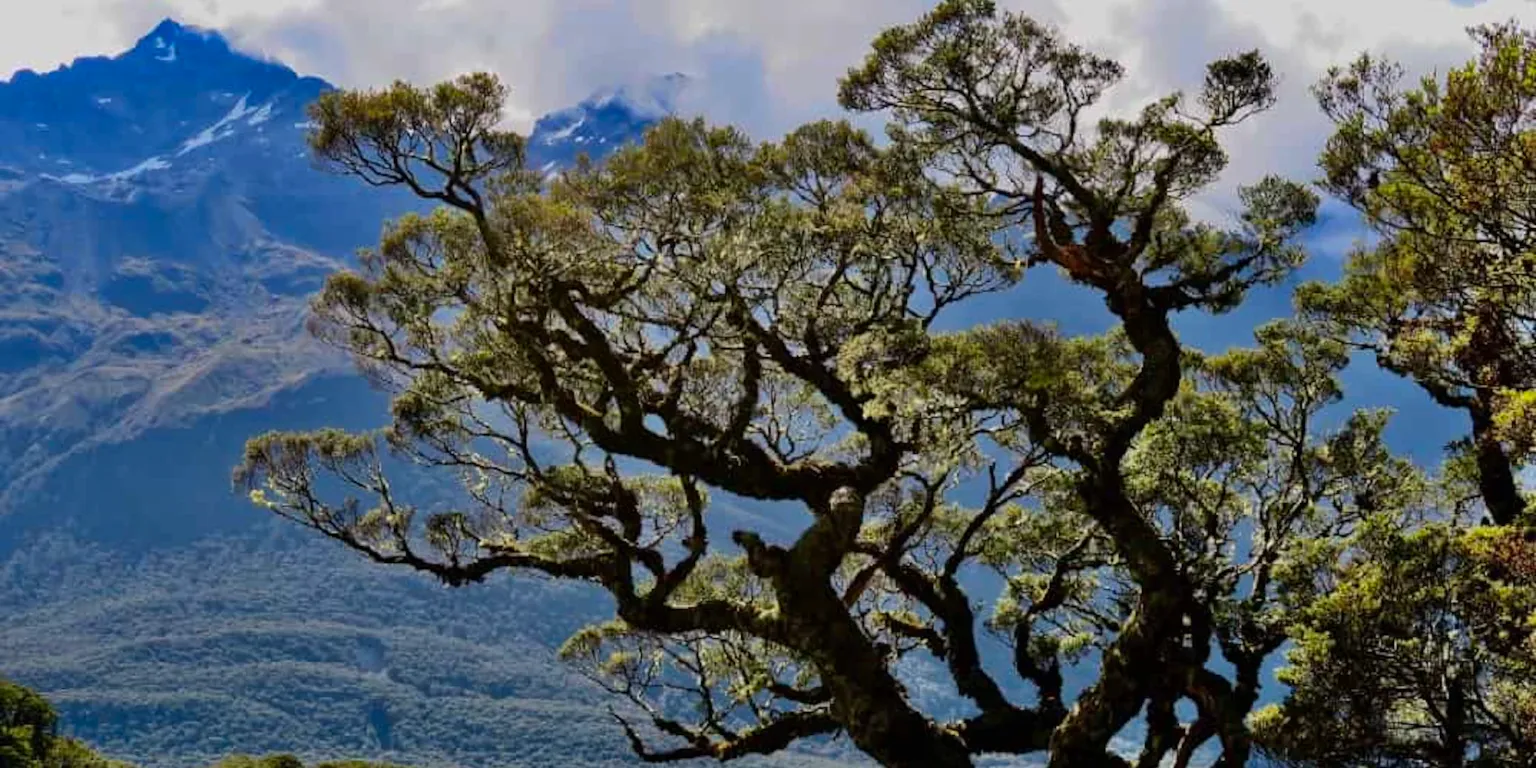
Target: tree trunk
(866, 697)
(1131, 664)
(1495, 472)
(1126, 674)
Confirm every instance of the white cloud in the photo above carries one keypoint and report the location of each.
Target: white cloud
(769, 64)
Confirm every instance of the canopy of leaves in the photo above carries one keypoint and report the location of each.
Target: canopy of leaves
(29, 735)
(1421, 654)
(1446, 174)
(610, 360)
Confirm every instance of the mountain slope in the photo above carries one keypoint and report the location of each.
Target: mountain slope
(150, 280)
(160, 229)
(164, 276)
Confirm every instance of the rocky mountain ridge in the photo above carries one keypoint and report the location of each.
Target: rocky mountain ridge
(161, 225)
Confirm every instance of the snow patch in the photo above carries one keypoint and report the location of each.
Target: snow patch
(262, 115)
(169, 55)
(220, 130)
(152, 164)
(565, 133)
(103, 99)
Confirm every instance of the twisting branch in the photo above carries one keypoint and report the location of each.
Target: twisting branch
(765, 739)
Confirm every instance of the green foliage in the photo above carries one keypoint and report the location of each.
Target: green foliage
(600, 358)
(28, 725)
(29, 735)
(758, 320)
(1420, 650)
(1442, 171)
(1421, 654)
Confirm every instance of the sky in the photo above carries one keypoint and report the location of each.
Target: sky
(768, 65)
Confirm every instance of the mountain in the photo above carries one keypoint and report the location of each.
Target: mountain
(161, 225)
(605, 120)
(177, 90)
(161, 228)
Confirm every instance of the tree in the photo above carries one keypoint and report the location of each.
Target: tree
(28, 724)
(29, 735)
(1421, 655)
(601, 356)
(1446, 174)
(1422, 652)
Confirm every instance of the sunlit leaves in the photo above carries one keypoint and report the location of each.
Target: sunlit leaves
(604, 358)
(1421, 651)
(1445, 173)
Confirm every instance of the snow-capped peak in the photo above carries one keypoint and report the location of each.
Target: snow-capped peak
(162, 41)
(604, 121)
(131, 117)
